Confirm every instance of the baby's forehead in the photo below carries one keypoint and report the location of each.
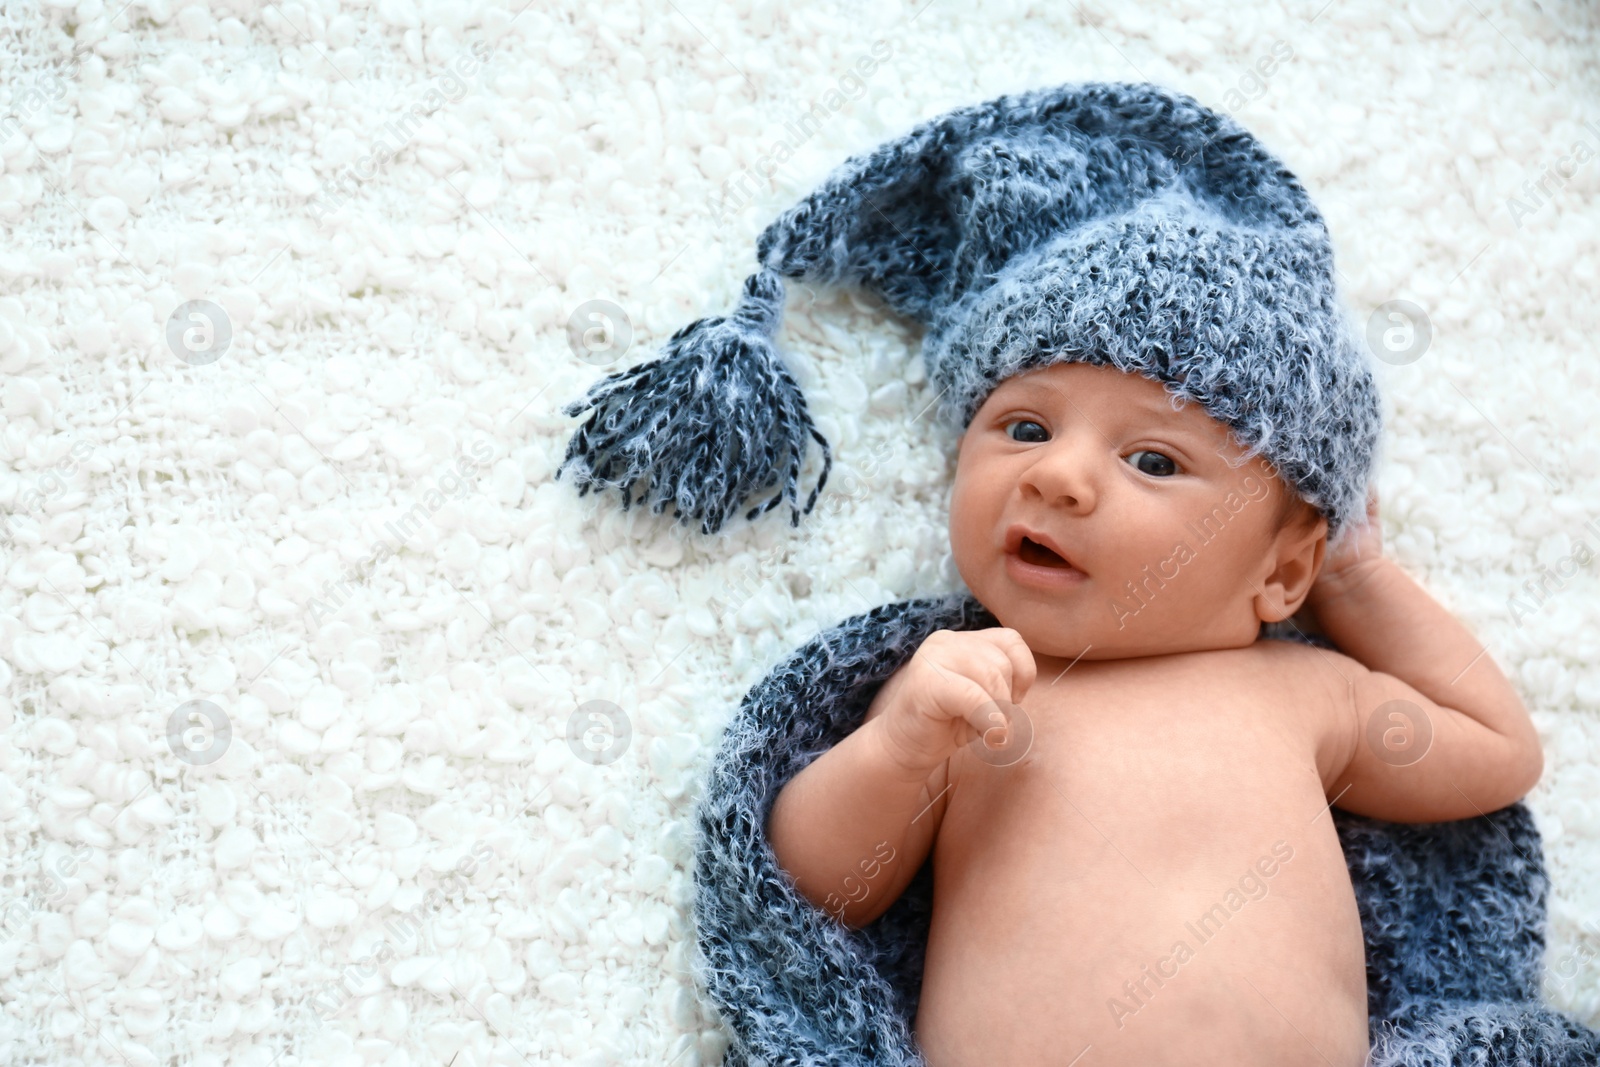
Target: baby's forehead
(1067, 384)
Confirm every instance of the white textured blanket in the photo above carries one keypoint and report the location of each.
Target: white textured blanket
(301, 758)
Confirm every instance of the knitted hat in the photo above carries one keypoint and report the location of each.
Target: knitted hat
(1106, 223)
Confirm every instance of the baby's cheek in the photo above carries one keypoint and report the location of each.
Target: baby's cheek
(963, 516)
(961, 549)
(1148, 579)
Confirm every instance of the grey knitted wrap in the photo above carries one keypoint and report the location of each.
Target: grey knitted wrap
(1452, 913)
(1109, 223)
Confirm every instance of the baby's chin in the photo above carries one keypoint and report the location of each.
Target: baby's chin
(1057, 635)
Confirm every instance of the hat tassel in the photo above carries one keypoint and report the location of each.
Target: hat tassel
(714, 420)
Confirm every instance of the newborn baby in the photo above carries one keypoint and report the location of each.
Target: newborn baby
(1124, 788)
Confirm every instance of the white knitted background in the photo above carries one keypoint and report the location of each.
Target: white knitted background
(294, 623)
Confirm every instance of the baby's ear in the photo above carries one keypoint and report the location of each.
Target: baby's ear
(1297, 552)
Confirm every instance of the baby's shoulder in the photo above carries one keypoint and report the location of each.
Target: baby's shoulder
(1281, 660)
(1298, 653)
(1312, 684)
(1292, 653)
(1301, 668)
(1290, 677)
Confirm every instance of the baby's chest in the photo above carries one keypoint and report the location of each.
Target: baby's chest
(1170, 773)
(1149, 829)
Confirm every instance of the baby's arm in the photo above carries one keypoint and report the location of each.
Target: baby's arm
(847, 827)
(1421, 684)
(854, 826)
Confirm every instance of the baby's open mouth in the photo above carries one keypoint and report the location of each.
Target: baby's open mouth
(1033, 552)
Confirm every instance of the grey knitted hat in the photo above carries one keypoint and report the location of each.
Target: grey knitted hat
(1107, 223)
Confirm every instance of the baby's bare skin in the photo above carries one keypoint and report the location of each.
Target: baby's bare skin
(1179, 767)
(1068, 884)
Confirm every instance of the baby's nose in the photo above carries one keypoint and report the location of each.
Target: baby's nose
(1064, 471)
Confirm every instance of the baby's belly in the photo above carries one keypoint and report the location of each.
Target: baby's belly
(1135, 896)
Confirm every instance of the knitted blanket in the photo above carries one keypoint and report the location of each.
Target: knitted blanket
(1453, 913)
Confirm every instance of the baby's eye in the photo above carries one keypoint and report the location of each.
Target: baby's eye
(1025, 422)
(1163, 465)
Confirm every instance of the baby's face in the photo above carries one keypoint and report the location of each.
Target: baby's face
(1171, 548)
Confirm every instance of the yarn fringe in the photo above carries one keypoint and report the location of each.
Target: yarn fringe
(716, 420)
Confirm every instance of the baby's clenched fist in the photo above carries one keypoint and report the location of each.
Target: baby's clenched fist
(958, 686)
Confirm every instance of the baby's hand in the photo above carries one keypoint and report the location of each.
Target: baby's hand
(949, 692)
(1360, 551)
